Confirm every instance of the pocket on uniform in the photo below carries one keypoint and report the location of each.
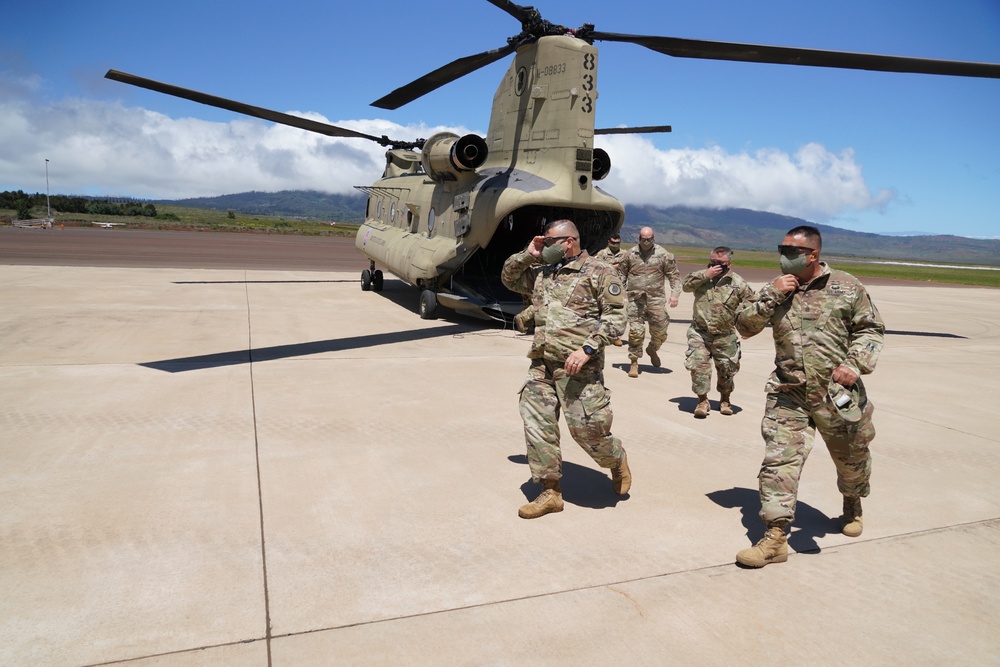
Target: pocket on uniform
(594, 398)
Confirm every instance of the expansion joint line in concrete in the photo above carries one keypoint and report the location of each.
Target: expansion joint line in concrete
(614, 586)
(260, 495)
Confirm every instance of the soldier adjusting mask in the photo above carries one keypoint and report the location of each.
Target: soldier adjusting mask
(794, 259)
(553, 253)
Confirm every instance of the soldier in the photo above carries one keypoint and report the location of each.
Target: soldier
(645, 268)
(579, 308)
(718, 294)
(827, 333)
(613, 255)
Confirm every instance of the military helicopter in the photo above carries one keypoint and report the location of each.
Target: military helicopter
(449, 210)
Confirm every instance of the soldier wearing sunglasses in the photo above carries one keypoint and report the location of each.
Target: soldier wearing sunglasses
(827, 334)
(579, 308)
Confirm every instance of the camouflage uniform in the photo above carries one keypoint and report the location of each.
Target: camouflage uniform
(829, 322)
(711, 336)
(612, 258)
(578, 303)
(647, 300)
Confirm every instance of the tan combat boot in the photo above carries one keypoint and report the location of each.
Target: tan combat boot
(703, 407)
(633, 370)
(851, 521)
(724, 406)
(621, 476)
(654, 358)
(772, 548)
(548, 501)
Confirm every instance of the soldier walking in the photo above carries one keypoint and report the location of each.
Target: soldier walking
(827, 334)
(613, 255)
(646, 267)
(579, 309)
(718, 295)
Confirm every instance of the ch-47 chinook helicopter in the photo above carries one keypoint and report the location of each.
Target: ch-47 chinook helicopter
(449, 210)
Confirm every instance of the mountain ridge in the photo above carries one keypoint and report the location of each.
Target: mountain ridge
(738, 228)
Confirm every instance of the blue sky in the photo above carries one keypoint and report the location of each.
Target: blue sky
(863, 150)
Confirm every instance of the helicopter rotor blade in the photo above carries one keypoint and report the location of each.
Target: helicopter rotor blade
(442, 75)
(643, 129)
(246, 109)
(522, 14)
(783, 55)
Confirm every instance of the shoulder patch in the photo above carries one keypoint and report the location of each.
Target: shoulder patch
(614, 289)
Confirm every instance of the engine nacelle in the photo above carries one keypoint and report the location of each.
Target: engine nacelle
(446, 156)
(602, 164)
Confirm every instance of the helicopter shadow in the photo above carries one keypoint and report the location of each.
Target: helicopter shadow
(810, 523)
(275, 352)
(581, 485)
(689, 403)
(262, 282)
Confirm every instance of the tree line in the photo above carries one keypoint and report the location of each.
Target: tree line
(22, 203)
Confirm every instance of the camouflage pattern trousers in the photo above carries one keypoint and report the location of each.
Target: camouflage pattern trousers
(584, 400)
(787, 428)
(703, 349)
(642, 308)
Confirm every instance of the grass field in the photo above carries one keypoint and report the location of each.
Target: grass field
(862, 267)
(182, 217)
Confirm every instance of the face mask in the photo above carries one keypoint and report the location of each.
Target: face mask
(553, 253)
(645, 244)
(725, 268)
(793, 265)
(613, 247)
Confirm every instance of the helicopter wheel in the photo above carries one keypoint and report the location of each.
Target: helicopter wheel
(366, 280)
(377, 280)
(428, 305)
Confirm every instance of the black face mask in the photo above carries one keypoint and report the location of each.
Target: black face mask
(725, 267)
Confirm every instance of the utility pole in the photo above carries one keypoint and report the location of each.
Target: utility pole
(48, 208)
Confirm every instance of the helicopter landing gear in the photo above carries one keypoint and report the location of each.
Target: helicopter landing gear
(428, 305)
(372, 279)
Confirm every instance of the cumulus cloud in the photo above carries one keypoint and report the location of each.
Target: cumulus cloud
(814, 183)
(105, 148)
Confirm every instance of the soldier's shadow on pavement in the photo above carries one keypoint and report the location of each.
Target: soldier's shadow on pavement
(810, 523)
(689, 403)
(644, 368)
(581, 485)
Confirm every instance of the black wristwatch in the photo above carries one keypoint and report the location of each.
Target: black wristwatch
(588, 350)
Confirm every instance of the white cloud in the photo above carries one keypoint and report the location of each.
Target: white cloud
(814, 184)
(98, 147)
(106, 148)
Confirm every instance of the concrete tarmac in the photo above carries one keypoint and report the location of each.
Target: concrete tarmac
(233, 467)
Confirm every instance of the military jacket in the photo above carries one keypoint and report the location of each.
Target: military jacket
(717, 301)
(821, 325)
(614, 259)
(647, 274)
(578, 303)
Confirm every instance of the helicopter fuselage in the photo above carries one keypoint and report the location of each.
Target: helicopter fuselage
(445, 219)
